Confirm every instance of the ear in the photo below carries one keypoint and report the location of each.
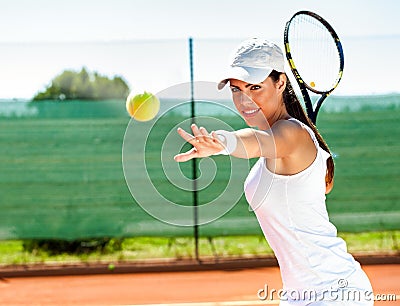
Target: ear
(281, 83)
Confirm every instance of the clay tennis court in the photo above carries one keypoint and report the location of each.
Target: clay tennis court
(234, 287)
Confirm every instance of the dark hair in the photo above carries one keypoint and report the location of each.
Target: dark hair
(295, 110)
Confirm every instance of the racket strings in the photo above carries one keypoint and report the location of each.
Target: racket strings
(314, 53)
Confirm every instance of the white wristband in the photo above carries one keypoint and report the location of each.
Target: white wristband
(229, 141)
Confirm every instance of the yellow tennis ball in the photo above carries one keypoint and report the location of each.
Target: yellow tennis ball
(142, 107)
(312, 84)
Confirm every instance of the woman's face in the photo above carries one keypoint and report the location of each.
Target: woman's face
(259, 104)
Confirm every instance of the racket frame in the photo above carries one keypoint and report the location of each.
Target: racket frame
(304, 87)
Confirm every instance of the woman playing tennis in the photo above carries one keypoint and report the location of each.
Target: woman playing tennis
(287, 185)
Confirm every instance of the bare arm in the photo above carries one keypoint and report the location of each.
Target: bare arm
(277, 142)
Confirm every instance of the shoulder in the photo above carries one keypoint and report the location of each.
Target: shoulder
(288, 129)
(290, 137)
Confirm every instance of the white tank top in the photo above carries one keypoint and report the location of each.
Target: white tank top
(293, 217)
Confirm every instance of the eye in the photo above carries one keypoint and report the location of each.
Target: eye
(255, 87)
(235, 89)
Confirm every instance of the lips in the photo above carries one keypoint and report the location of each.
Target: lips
(250, 112)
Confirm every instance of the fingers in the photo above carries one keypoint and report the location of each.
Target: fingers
(204, 143)
(199, 135)
(216, 137)
(183, 157)
(186, 136)
(204, 132)
(195, 130)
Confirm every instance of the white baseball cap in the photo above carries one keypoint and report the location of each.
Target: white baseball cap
(253, 62)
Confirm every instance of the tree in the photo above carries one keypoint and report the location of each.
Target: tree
(84, 86)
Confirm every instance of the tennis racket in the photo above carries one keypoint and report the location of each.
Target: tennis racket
(315, 56)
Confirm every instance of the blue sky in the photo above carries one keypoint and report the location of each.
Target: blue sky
(370, 31)
(82, 20)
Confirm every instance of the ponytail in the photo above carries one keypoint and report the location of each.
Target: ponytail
(295, 110)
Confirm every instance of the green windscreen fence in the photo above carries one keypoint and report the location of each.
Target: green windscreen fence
(66, 173)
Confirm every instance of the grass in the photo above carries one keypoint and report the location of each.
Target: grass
(147, 248)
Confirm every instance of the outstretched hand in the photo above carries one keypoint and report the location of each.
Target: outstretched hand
(204, 144)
